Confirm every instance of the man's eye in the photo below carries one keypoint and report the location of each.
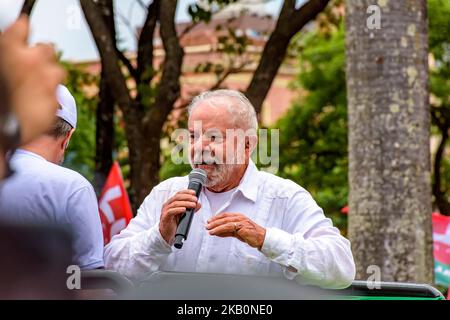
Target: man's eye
(215, 138)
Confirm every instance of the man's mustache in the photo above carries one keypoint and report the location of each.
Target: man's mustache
(206, 158)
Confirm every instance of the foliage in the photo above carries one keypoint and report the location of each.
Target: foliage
(203, 12)
(80, 155)
(313, 134)
(439, 46)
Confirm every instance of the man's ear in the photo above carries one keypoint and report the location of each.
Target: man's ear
(65, 142)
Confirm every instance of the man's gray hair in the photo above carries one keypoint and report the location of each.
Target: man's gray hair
(60, 128)
(243, 112)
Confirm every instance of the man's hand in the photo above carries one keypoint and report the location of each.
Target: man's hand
(32, 75)
(172, 211)
(237, 225)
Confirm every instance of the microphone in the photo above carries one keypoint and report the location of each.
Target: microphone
(197, 178)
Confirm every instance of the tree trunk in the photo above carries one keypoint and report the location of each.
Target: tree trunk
(104, 135)
(144, 158)
(389, 155)
(146, 171)
(145, 164)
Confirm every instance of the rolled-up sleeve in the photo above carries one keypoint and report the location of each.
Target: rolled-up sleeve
(308, 247)
(139, 249)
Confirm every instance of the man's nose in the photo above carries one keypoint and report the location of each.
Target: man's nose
(201, 147)
(202, 143)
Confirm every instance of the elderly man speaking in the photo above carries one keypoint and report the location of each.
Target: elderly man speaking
(247, 221)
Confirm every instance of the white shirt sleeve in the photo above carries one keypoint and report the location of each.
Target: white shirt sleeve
(139, 249)
(82, 214)
(311, 251)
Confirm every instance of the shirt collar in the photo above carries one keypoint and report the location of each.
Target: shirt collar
(249, 183)
(23, 152)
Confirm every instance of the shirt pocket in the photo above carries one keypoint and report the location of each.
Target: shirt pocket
(248, 260)
(260, 214)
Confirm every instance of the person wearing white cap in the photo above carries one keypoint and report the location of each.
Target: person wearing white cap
(42, 191)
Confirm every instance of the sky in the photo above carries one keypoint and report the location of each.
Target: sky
(62, 23)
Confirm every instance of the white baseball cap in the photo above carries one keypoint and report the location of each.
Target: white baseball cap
(68, 110)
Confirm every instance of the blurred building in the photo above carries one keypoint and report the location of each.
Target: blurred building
(207, 57)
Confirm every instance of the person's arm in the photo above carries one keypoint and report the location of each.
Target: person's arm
(82, 214)
(311, 251)
(139, 249)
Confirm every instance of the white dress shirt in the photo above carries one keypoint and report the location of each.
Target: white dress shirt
(217, 200)
(43, 192)
(300, 242)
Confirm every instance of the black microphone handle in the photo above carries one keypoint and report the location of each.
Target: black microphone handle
(186, 219)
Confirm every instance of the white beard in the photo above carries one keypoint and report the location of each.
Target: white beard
(219, 174)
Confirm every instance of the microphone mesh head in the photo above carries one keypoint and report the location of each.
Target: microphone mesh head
(198, 175)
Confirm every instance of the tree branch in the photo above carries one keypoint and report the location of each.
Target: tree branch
(108, 53)
(107, 10)
(193, 24)
(127, 63)
(145, 43)
(290, 22)
(169, 86)
(440, 199)
(441, 118)
(127, 23)
(27, 7)
(185, 102)
(229, 72)
(104, 120)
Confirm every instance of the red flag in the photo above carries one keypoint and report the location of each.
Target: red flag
(114, 205)
(441, 239)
